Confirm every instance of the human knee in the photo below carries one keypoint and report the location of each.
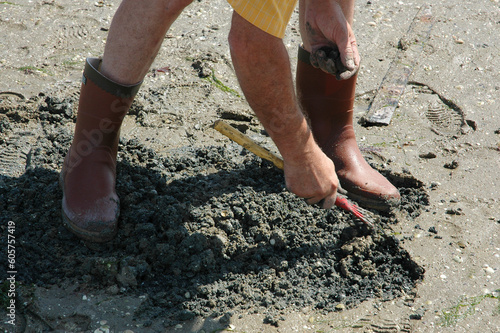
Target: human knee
(243, 34)
(237, 37)
(175, 5)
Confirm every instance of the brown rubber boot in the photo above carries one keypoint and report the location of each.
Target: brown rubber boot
(90, 205)
(328, 103)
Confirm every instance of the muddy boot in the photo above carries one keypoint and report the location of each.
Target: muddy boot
(90, 205)
(328, 103)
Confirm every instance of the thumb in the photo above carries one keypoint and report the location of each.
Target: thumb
(346, 49)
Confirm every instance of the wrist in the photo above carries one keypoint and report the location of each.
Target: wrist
(296, 143)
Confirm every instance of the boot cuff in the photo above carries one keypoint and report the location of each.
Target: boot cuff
(92, 73)
(304, 55)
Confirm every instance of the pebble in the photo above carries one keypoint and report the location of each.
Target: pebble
(371, 23)
(102, 330)
(433, 185)
(451, 165)
(489, 270)
(427, 155)
(340, 307)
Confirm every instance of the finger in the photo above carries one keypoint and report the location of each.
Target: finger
(323, 60)
(349, 58)
(346, 74)
(314, 60)
(318, 58)
(313, 200)
(329, 201)
(330, 66)
(346, 51)
(357, 57)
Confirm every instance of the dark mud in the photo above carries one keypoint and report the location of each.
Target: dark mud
(203, 232)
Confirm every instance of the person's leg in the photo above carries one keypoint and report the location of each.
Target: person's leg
(263, 69)
(135, 36)
(90, 205)
(328, 103)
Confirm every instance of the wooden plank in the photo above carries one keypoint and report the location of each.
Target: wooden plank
(394, 83)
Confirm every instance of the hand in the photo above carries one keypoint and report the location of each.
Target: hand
(312, 177)
(331, 38)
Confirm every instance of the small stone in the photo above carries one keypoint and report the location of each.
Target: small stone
(340, 307)
(434, 185)
(186, 315)
(113, 290)
(127, 277)
(462, 244)
(458, 259)
(489, 270)
(433, 230)
(452, 165)
(454, 211)
(416, 316)
(225, 319)
(427, 155)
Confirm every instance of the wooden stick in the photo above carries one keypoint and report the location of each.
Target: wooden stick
(394, 83)
(247, 143)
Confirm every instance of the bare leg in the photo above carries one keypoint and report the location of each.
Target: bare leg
(135, 36)
(263, 69)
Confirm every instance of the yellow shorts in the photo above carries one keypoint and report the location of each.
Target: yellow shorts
(272, 16)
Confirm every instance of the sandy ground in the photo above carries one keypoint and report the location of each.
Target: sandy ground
(452, 148)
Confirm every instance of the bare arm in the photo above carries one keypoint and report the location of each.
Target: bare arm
(263, 69)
